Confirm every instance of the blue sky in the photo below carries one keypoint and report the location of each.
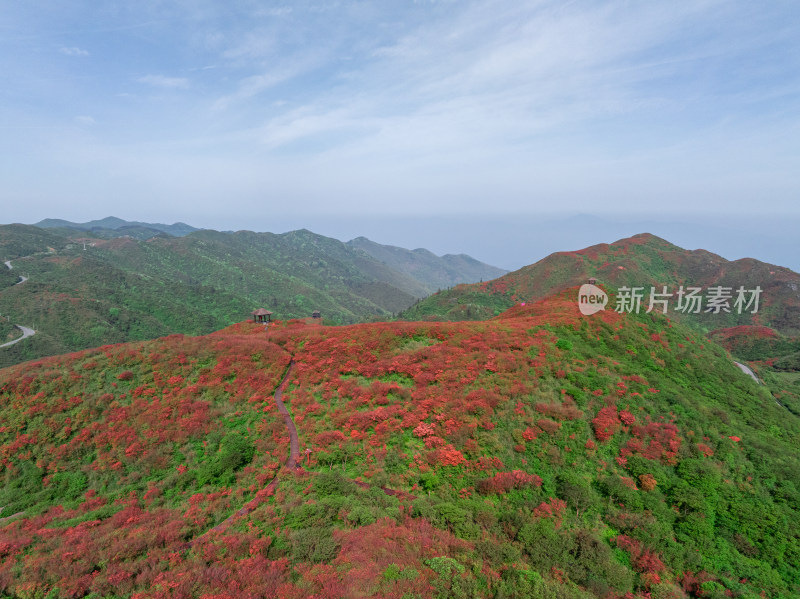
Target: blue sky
(227, 114)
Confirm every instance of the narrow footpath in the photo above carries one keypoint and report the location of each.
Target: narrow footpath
(292, 463)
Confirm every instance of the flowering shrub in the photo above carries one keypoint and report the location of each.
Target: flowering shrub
(606, 423)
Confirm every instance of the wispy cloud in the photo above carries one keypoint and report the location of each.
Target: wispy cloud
(73, 51)
(84, 120)
(165, 82)
(434, 104)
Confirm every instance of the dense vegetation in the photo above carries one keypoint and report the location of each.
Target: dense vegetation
(538, 454)
(109, 227)
(640, 261)
(84, 292)
(774, 357)
(435, 272)
(8, 332)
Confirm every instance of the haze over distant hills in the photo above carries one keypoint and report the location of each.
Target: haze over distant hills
(112, 226)
(512, 241)
(432, 270)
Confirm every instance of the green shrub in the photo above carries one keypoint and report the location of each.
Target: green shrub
(314, 545)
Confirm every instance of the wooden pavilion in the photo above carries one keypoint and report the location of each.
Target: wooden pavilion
(262, 315)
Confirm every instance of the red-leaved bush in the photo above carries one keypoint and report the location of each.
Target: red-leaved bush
(606, 423)
(503, 482)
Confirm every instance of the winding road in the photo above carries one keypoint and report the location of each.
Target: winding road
(26, 331)
(747, 370)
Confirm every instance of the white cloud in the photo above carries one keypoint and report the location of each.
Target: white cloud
(442, 104)
(73, 51)
(165, 82)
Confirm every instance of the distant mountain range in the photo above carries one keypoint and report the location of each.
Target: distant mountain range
(435, 272)
(640, 261)
(112, 226)
(87, 289)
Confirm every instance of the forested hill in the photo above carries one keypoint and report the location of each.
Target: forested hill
(83, 290)
(538, 454)
(435, 272)
(643, 261)
(112, 226)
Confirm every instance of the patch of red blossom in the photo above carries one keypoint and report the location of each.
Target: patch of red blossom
(643, 559)
(606, 423)
(447, 456)
(503, 482)
(423, 429)
(529, 434)
(705, 450)
(553, 509)
(662, 441)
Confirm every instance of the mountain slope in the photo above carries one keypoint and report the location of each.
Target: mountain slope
(639, 261)
(537, 454)
(112, 226)
(433, 271)
(85, 291)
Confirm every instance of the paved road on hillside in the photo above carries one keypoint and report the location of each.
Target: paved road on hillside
(747, 370)
(26, 332)
(21, 278)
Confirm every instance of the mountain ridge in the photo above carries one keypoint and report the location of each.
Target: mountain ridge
(113, 223)
(642, 260)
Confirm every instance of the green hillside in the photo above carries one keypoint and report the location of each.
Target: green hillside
(84, 291)
(433, 271)
(538, 454)
(640, 261)
(112, 226)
